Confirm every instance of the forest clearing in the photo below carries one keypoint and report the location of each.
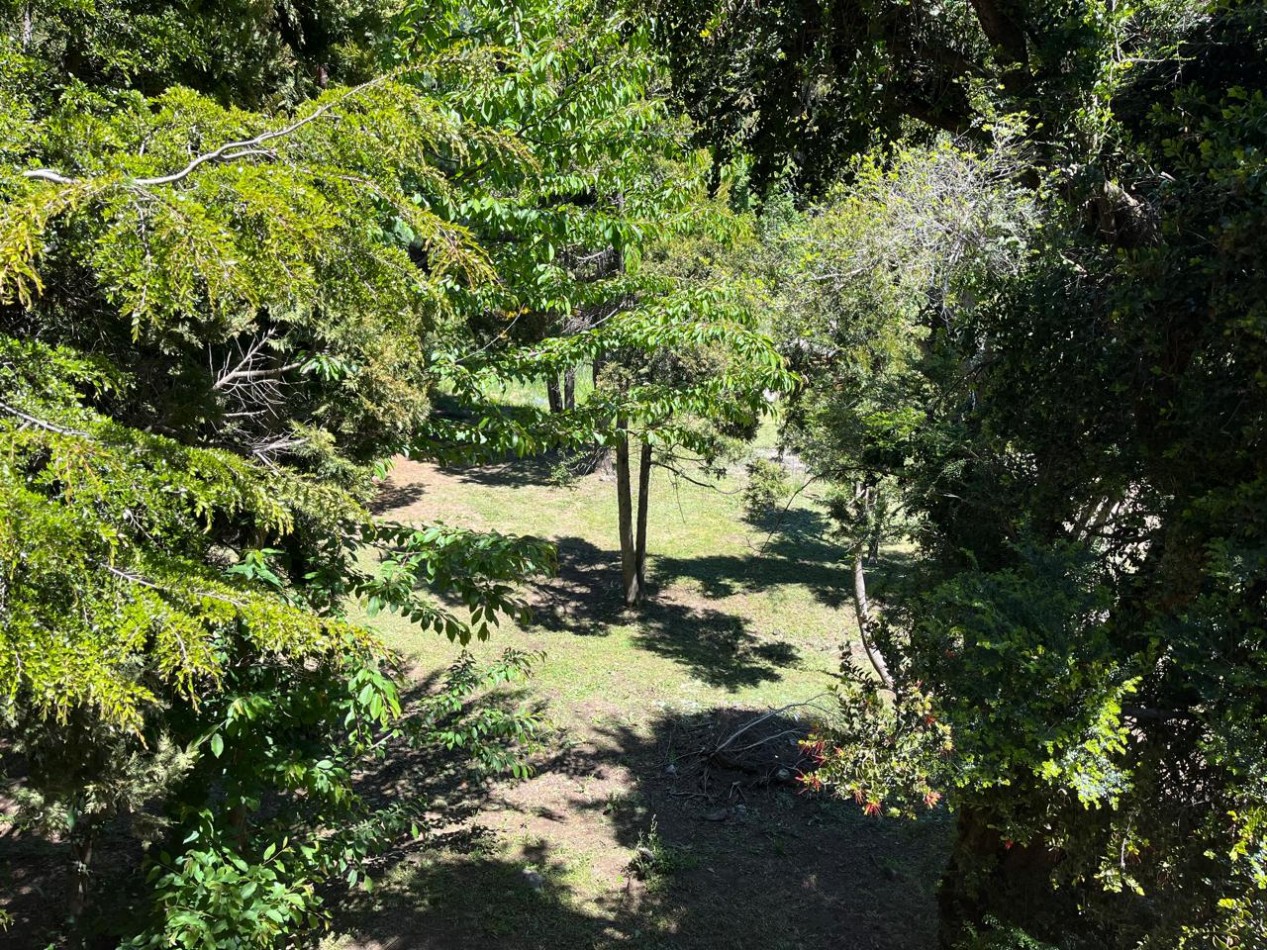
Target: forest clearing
(748, 619)
(633, 473)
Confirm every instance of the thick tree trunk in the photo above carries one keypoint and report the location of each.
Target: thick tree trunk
(553, 393)
(569, 388)
(644, 492)
(624, 508)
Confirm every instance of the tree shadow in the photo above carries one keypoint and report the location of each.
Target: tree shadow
(719, 648)
(513, 472)
(34, 887)
(798, 548)
(584, 597)
(715, 848)
(801, 551)
(393, 495)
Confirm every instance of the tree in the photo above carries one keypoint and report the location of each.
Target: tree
(640, 399)
(861, 284)
(1069, 660)
(803, 87)
(577, 235)
(582, 92)
(209, 334)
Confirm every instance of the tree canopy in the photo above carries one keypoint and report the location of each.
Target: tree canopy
(1005, 288)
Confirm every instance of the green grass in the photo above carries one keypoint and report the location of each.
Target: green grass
(725, 621)
(739, 618)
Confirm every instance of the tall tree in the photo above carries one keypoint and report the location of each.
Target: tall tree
(1071, 664)
(577, 234)
(213, 306)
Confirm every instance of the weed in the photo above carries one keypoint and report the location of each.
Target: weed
(655, 860)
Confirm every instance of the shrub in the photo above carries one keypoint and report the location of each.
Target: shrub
(768, 486)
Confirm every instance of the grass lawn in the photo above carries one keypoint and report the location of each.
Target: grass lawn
(626, 836)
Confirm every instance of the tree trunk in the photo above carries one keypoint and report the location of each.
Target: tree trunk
(991, 879)
(553, 394)
(81, 851)
(624, 507)
(863, 610)
(569, 388)
(644, 491)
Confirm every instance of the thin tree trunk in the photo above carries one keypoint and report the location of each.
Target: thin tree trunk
(863, 609)
(644, 492)
(569, 388)
(624, 507)
(81, 850)
(553, 394)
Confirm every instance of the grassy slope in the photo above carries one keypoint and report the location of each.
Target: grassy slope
(724, 623)
(737, 622)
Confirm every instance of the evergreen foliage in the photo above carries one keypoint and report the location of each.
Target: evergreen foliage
(213, 323)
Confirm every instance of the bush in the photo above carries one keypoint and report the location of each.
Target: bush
(768, 485)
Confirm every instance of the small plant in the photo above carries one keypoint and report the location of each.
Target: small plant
(768, 485)
(565, 473)
(653, 860)
(999, 936)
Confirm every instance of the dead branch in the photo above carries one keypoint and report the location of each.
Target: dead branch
(810, 703)
(229, 151)
(41, 423)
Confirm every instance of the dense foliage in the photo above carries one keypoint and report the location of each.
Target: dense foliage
(212, 326)
(1041, 361)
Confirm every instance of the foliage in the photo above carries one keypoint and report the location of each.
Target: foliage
(1088, 584)
(234, 886)
(580, 234)
(798, 90)
(210, 327)
(767, 487)
(655, 860)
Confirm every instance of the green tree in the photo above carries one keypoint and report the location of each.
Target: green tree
(214, 299)
(578, 234)
(1071, 662)
(582, 92)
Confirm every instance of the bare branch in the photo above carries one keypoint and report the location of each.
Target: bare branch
(40, 423)
(811, 703)
(227, 152)
(694, 481)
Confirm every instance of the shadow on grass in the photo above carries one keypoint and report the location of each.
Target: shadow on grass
(796, 556)
(512, 473)
(722, 853)
(392, 496)
(718, 647)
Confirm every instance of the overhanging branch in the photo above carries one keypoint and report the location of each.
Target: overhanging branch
(227, 152)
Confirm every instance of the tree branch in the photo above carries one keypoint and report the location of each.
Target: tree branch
(225, 153)
(40, 423)
(863, 609)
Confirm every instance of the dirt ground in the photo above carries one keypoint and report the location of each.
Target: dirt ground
(635, 831)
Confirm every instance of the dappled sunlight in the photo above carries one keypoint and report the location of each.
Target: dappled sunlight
(644, 823)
